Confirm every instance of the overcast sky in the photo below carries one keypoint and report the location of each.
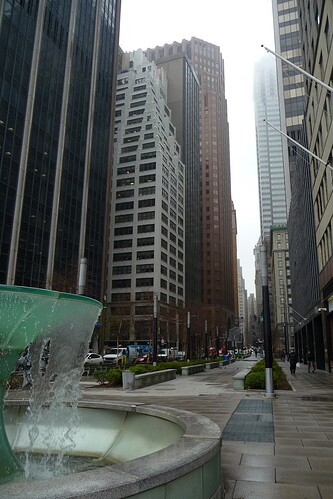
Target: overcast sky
(238, 28)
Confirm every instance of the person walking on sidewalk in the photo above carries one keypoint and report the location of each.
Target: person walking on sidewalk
(311, 362)
(292, 361)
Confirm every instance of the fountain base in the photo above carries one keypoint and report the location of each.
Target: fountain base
(172, 452)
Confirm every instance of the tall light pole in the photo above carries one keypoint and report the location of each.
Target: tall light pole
(267, 323)
(155, 331)
(188, 343)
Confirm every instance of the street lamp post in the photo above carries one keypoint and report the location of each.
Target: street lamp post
(188, 329)
(267, 324)
(155, 331)
(206, 339)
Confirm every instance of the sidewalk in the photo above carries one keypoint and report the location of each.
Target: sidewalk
(286, 451)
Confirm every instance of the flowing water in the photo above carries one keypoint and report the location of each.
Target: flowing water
(63, 325)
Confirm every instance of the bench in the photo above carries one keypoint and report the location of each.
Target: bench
(212, 365)
(197, 368)
(239, 379)
(152, 378)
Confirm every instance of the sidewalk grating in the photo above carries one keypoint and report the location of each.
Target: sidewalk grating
(252, 421)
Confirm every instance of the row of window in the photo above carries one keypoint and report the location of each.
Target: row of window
(144, 296)
(146, 282)
(140, 255)
(146, 268)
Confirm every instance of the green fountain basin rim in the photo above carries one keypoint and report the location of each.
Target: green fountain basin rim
(59, 295)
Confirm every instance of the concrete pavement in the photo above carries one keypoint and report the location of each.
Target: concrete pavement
(296, 464)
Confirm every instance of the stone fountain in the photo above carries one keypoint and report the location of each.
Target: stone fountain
(143, 449)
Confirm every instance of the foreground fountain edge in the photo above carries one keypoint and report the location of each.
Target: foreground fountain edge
(189, 468)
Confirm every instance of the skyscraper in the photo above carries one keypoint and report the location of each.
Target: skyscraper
(316, 28)
(271, 173)
(147, 237)
(183, 100)
(216, 205)
(56, 87)
(301, 231)
(272, 179)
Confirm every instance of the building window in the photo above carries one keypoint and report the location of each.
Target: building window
(124, 269)
(124, 243)
(120, 257)
(146, 228)
(125, 206)
(129, 193)
(164, 284)
(144, 255)
(128, 217)
(146, 191)
(164, 270)
(147, 166)
(122, 283)
(120, 231)
(146, 215)
(144, 296)
(118, 297)
(148, 155)
(125, 170)
(146, 267)
(144, 179)
(144, 282)
(127, 159)
(145, 241)
(146, 202)
(125, 181)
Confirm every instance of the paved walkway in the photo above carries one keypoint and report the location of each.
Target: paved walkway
(297, 464)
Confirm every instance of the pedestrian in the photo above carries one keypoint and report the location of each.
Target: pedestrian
(283, 355)
(311, 362)
(123, 359)
(292, 361)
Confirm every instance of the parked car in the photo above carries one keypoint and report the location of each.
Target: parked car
(112, 356)
(93, 359)
(141, 359)
(162, 355)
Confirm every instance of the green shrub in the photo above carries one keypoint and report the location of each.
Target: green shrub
(111, 377)
(256, 379)
(141, 369)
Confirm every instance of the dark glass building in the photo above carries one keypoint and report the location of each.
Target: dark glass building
(184, 101)
(57, 74)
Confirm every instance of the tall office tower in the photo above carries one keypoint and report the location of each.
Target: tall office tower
(252, 321)
(218, 266)
(283, 331)
(242, 303)
(258, 290)
(290, 81)
(147, 240)
(56, 84)
(301, 231)
(316, 28)
(183, 101)
(234, 259)
(271, 174)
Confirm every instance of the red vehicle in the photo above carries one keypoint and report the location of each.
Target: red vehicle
(212, 352)
(145, 355)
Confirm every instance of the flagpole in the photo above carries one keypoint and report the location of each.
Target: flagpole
(300, 70)
(299, 145)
